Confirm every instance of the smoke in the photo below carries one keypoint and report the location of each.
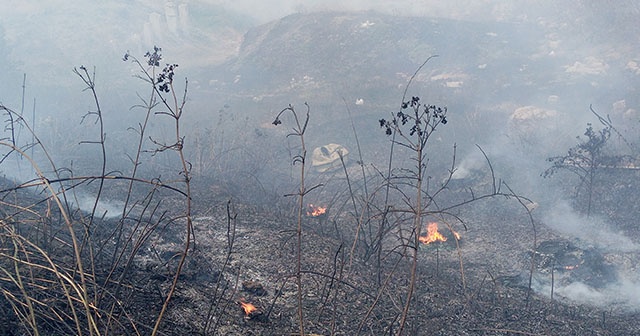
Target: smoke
(623, 294)
(593, 230)
(591, 283)
(18, 171)
(104, 208)
(470, 166)
(520, 130)
(518, 154)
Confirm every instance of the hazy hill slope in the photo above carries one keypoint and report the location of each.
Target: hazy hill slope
(485, 72)
(338, 51)
(325, 56)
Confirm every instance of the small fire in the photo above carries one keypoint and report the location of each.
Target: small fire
(248, 308)
(315, 211)
(434, 236)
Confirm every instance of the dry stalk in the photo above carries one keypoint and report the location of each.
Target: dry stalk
(81, 288)
(231, 238)
(175, 109)
(299, 130)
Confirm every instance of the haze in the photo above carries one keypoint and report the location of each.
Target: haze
(518, 78)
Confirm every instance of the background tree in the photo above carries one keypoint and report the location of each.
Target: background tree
(584, 160)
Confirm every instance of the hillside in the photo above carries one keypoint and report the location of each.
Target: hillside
(522, 87)
(367, 54)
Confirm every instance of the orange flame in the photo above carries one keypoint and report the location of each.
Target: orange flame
(315, 211)
(434, 236)
(248, 308)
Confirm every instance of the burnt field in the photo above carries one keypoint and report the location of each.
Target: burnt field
(350, 249)
(271, 219)
(239, 277)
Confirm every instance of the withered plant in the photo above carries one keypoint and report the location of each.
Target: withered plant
(584, 160)
(411, 128)
(164, 93)
(217, 305)
(298, 131)
(62, 270)
(422, 120)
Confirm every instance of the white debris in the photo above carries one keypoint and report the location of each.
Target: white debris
(633, 66)
(589, 66)
(367, 24)
(532, 113)
(327, 157)
(619, 106)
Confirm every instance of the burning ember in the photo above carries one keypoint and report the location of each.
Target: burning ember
(433, 235)
(252, 312)
(248, 308)
(316, 211)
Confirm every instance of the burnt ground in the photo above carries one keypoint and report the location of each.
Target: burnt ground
(494, 300)
(478, 288)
